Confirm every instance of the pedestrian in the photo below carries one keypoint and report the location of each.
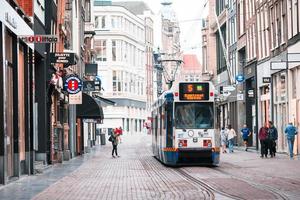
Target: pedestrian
(263, 138)
(245, 135)
(290, 132)
(272, 137)
(231, 136)
(114, 140)
(119, 132)
(224, 139)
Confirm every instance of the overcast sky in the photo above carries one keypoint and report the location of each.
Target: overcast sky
(188, 13)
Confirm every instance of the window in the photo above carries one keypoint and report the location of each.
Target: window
(113, 51)
(294, 83)
(87, 11)
(100, 48)
(190, 115)
(221, 63)
(114, 81)
(100, 22)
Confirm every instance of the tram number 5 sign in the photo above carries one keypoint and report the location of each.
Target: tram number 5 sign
(73, 85)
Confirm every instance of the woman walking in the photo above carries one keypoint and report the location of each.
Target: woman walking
(224, 136)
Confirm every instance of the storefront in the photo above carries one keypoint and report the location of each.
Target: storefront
(16, 102)
(251, 101)
(88, 114)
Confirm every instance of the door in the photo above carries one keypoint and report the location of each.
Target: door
(9, 105)
(9, 121)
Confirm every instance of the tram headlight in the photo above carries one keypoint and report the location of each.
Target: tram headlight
(191, 133)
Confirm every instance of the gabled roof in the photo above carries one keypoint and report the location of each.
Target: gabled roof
(191, 62)
(136, 7)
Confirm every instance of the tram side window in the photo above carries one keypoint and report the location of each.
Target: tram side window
(160, 121)
(169, 122)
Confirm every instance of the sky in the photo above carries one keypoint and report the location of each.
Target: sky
(189, 13)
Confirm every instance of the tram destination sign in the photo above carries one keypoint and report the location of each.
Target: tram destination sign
(193, 91)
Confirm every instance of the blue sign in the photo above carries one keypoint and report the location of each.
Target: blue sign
(73, 85)
(239, 78)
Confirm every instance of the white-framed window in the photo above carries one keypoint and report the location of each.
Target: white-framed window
(100, 49)
(100, 22)
(114, 50)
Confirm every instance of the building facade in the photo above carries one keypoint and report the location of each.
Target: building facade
(16, 79)
(120, 51)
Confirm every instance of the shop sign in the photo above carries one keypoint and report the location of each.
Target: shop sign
(75, 98)
(266, 79)
(88, 86)
(10, 20)
(240, 78)
(73, 84)
(240, 97)
(251, 93)
(39, 38)
(91, 69)
(63, 58)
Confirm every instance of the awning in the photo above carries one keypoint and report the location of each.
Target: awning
(105, 101)
(90, 108)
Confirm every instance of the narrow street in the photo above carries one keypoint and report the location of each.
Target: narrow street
(137, 175)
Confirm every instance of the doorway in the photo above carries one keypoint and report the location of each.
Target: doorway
(9, 105)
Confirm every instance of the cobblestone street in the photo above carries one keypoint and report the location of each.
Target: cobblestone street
(137, 175)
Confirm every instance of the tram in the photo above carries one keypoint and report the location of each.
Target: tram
(183, 127)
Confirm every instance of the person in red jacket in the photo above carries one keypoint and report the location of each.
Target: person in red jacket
(263, 137)
(119, 132)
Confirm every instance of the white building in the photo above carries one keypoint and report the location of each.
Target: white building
(119, 46)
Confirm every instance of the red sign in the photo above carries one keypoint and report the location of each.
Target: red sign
(73, 85)
(39, 38)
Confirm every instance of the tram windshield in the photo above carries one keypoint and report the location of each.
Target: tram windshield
(194, 115)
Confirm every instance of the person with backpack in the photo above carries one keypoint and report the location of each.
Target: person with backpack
(115, 141)
(290, 132)
(263, 138)
(272, 137)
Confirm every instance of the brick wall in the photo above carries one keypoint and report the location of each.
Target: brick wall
(27, 6)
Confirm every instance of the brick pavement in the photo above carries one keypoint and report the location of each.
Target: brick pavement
(135, 175)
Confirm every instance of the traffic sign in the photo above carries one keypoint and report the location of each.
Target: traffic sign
(73, 84)
(240, 78)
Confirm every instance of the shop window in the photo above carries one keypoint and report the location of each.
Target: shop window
(294, 84)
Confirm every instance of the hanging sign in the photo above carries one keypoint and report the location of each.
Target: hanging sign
(73, 85)
(63, 58)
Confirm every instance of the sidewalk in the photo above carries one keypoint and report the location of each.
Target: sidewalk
(281, 155)
(29, 186)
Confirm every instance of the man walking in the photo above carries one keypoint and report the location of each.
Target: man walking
(245, 135)
(272, 136)
(290, 132)
(231, 135)
(263, 138)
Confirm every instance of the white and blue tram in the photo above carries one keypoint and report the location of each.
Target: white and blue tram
(183, 126)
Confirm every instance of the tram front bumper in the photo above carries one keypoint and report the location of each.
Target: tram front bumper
(201, 156)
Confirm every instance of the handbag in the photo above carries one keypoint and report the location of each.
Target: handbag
(110, 139)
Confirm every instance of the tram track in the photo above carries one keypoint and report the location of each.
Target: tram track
(211, 190)
(273, 190)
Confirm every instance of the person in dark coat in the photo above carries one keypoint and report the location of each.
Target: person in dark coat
(115, 142)
(263, 138)
(272, 136)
